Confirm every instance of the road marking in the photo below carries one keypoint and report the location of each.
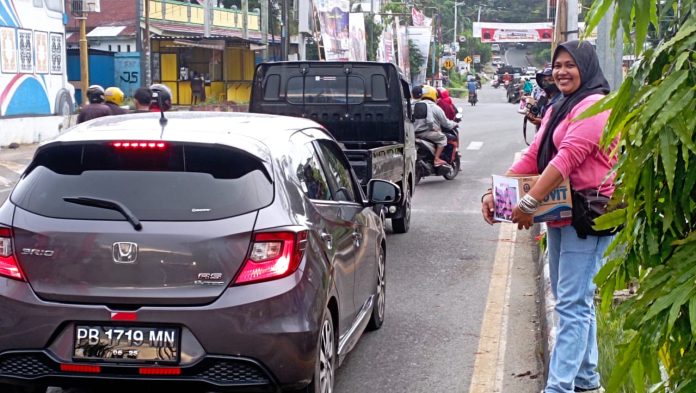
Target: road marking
(474, 146)
(489, 364)
(5, 182)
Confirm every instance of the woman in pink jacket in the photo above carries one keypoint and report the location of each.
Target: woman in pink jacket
(567, 149)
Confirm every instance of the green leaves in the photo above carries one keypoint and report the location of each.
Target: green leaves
(653, 116)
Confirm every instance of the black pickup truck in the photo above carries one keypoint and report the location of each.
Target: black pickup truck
(364, 105)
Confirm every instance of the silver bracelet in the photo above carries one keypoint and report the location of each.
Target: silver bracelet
(528, 204)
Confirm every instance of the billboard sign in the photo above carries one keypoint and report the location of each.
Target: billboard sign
(514, 32)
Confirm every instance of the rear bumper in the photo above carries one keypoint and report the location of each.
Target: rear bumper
(41, 367)
(268, 329)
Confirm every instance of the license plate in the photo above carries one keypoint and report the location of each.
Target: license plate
(127, 343)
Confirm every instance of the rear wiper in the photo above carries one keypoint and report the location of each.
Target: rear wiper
(107, 204)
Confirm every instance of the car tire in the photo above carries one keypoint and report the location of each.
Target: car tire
(403, 223)
(327, 361)
(64, 106)
(379, 307)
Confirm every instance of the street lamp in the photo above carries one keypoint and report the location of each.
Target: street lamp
(455, 20)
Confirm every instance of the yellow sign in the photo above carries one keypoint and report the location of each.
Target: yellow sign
(467, 60)
(448, 64)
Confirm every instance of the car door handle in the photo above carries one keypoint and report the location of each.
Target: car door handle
(357, 238)
(328, 239)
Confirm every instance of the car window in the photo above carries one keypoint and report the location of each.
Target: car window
(178, 182)
(325, 90)
(308, 171)
(338, 171)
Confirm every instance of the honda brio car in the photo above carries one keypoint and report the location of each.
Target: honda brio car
(217, 251)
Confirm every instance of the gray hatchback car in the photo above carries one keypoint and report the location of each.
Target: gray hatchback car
(224, 251)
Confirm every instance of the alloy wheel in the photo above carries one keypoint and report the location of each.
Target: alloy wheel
(326, 358)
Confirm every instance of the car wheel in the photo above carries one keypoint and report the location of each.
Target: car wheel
(64, 106)
(379, 307)
(325, 368)
(402, 224)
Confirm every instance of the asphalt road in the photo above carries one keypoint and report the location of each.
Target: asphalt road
(439, 274)
(516, 57)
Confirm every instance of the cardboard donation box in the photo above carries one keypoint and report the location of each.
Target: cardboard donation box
(507, 191)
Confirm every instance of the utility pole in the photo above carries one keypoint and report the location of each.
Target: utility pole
(264, 28)
(284, 31)
(610, 56)
(245, 18)
(456, 5)
(81, 15)
(572, 23)
(147, 53)
(207, 16)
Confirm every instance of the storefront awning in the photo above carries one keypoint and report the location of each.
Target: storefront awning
(207, 44)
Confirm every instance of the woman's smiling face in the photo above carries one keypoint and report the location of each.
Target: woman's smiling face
(566, 73)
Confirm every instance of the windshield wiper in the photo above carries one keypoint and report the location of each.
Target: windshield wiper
(107, 204)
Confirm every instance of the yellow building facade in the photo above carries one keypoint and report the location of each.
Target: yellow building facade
(226, 60)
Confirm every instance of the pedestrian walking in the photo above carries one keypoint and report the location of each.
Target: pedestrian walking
(565, 149)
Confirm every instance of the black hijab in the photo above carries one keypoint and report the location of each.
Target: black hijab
(592, 81)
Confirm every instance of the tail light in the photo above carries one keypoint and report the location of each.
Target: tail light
(273, 255)
(9, 267)
(139, 145)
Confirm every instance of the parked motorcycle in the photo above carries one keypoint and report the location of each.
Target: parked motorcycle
(425, 155)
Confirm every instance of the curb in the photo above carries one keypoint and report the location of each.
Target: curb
(547, 305)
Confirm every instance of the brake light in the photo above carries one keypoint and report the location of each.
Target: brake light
(159, 370)
(273, 255)
(139, 145)
(9, 267)
(79, 368)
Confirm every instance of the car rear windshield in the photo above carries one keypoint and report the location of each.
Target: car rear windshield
(326, 90)
(173, 182)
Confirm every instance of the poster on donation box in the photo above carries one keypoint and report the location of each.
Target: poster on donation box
(508, 190)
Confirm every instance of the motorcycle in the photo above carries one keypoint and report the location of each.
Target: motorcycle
(514, 92)
(425, 155)
(473, 98)
(496, 83)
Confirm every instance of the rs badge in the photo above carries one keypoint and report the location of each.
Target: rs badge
(125, 252)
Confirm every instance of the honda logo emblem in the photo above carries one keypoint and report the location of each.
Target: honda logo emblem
(125, 252)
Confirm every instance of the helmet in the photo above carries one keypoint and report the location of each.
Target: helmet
(95, 94)
(115, 95)
(429, 93)
(540, 75)
(417, 92)
(161, 93)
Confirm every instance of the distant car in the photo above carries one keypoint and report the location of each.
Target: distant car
(531, 71)
(216, 251)
(520, 45)
(497, 61)
(495, 47)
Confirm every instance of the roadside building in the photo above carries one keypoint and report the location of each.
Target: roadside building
(225, 58)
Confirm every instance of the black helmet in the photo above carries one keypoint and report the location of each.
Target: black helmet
(161, 93)
(417, 92)
(95, 94)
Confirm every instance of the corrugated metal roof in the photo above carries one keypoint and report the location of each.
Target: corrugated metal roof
(106, 31)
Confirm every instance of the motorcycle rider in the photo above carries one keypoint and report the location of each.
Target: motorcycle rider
(550, 96)
(445, 102)
(114, 99)
(96, 107)
(161, 95)
(430, 126)
(471, 86)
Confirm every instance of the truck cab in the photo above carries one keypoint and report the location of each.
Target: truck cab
(364, 105)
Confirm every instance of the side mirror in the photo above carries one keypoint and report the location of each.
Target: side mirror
(383, 192)
(458, 116)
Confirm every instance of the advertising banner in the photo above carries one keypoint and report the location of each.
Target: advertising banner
(357, 37)
(402, 47)
(421, 39)
(386, 43)
(419, 19)
(513, 32)
(333, 23)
